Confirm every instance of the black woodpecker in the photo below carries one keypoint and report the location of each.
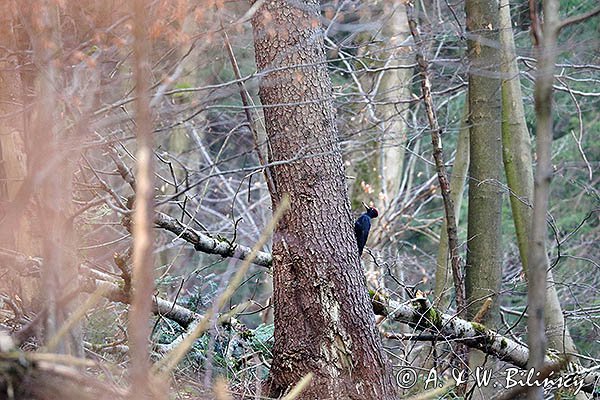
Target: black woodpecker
(362, 226)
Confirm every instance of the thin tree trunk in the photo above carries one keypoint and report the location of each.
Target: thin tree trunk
(484, 230)
(143, 235)
(484, 255)
(518, 166)
(450, 193)
(458, 174)
(536, 288)
(324, 321)
(13, 156)
(395, 84)
(438, 155)
(52, 165)
(12, 145)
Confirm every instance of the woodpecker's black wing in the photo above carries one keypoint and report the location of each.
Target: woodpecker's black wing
(361, 231)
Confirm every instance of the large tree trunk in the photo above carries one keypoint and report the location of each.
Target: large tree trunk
(324, 322)
(484, 233)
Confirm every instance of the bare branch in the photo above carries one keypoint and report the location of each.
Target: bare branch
(438, 155)
(207, 244)
(578, 18)
(420, 313)
(160, 306)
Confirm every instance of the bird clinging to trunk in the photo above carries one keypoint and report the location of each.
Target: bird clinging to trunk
(362, 226)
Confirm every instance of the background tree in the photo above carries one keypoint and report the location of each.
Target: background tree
(483, 268)
(518, 166)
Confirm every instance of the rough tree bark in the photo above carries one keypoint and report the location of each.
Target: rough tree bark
(324, 321)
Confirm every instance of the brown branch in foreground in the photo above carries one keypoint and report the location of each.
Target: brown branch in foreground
(438, 155)
(143, 234)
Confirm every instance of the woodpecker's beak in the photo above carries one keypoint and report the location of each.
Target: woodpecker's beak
(365, 205)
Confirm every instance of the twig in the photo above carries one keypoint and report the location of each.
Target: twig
(246, 102)
(434, 393)
(121, 263)
(438, 156)
(300, 386)
(578, 18)
(485, 308)
(122, 168)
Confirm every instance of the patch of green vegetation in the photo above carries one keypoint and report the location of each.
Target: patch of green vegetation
(479, 328)
(182, 97)
(434, 317)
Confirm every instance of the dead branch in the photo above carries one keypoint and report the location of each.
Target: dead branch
(438, 155)
(207, 244)
(420, 314)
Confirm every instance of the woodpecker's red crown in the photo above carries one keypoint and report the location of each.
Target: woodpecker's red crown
(371, 211)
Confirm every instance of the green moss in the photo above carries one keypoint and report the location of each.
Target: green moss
(503, 343)
(378, 302)
(434, 317)
(182, 97)
(480, 328)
